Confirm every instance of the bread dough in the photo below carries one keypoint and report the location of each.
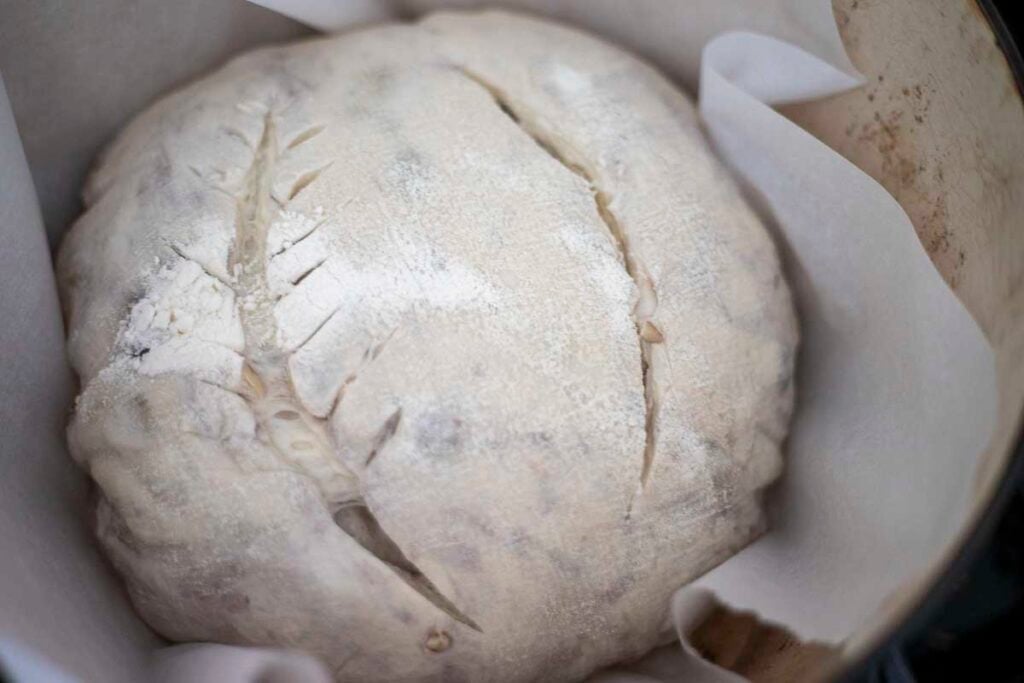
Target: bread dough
(445, 351)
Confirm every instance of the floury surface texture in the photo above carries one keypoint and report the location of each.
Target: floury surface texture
(444, 351)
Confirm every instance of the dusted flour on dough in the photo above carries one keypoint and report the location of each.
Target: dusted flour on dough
(444, 351)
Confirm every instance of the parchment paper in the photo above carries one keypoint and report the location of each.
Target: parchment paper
(56, 594)
(896, 382)
(896, 388)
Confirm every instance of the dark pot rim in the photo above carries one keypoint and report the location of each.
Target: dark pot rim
(928, 606)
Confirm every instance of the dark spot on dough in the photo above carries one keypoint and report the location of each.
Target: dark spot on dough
(378, 80)
(168, 495)
(539, 438)
(465, 517)
(409, 174)
(465, 557)
(523, 544)
(438, 260)
(216, 584)
(618, 588)
(366, 99)
(403, 615)
(550, 497)
(143, 412)
(156, 176)
(137, 294)
(234, 601)
(439, 434)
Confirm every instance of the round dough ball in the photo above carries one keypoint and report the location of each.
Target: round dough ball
(444, 351)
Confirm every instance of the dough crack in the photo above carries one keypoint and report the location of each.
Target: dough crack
(648, 333)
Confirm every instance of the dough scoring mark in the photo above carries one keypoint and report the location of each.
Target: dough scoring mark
(370, 354)
(222, 387)
(305, 136)
(291, 244)
(305, 180)
(236, 134)
(362, 526)
(647, 301)
(316, 330)
(309, 271)
(177, 250)
(208, 182)
(300, 438)
(384, 435)
(304, 443)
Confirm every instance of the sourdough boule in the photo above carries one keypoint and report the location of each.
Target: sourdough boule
(444, 351)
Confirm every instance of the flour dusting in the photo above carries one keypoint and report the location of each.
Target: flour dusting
(289, 227)
(409, 278)
(186, 323)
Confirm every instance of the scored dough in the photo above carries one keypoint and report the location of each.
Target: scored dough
(444, 351)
